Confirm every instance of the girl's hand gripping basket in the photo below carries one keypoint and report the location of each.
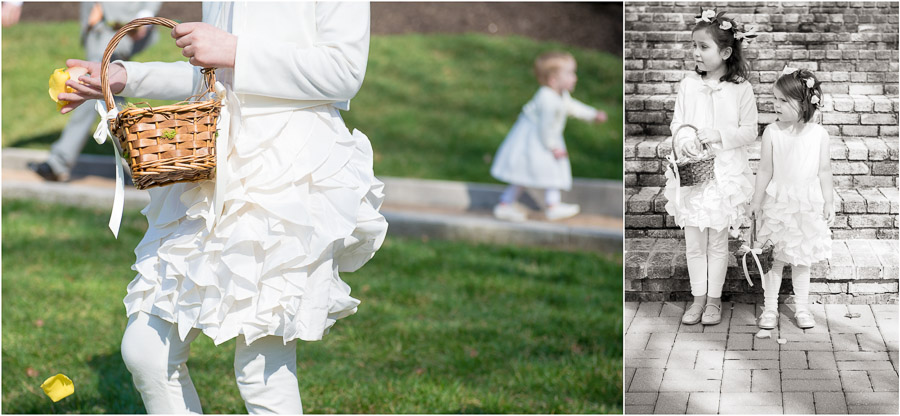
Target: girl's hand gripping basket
(166, 144)
(763, 254)
(696, 170)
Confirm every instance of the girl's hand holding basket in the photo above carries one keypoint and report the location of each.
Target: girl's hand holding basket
(697, 168)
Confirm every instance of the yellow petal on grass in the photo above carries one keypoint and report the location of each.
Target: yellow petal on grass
(58, 387)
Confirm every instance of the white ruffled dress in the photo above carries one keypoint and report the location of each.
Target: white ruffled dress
(731, 109)
(525, 158)
(792, 214)
(300, 199)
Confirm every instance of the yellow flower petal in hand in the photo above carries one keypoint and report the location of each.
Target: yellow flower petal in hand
(58, 83)
(58, 387)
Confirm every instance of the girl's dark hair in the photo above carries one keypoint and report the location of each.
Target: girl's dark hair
(737, 69)
(794, 86)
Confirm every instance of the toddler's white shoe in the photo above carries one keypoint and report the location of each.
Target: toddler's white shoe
(768, 319)
(804, 319)
(508, 212)
(561, 211)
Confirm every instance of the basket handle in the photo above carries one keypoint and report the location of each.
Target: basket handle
(674, 153)
(209, 74)
(752, 230)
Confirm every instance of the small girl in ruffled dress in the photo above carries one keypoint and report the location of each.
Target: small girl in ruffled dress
(793, 196)
(534, 153)
(718, 100)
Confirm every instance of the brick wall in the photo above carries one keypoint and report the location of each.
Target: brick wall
(851, 46)
(853, 49)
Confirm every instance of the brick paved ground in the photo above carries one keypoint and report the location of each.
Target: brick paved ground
(846, 364)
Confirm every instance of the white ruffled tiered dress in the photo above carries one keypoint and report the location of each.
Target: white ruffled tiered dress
(525, 158)
(300, 197)
(792, 210)
(731, 109)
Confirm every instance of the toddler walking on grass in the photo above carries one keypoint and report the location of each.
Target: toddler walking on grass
(534, 153)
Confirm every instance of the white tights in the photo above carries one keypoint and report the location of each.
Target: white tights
(799, 279)
(157, 359)
(512, 192)
(707, 260)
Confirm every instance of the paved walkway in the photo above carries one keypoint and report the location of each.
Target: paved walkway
(846, 364)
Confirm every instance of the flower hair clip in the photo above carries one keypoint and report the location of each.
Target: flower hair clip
(711, 16)
(810, 84)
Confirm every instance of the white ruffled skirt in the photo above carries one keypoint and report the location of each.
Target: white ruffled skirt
(523, 160)
(301, 204)
(792, 218)
(717, 204)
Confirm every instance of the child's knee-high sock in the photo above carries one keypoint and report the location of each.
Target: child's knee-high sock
(511, 194)
(717, 261)
(695, 251)
(552, 197)
(773, 285)
(800, 280)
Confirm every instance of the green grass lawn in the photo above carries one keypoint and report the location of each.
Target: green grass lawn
(434, 106)
(443, 327)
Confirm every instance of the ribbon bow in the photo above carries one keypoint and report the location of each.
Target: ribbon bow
(100, 135)
(671, 158)
(755, 252)
(230, 113)
(788, 70)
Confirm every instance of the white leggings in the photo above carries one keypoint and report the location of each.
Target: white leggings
(799, 279)
(157, 359)
(512, 192)
(707, 260)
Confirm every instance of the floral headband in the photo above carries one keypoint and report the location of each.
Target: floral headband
(710, 16)
(809, 82)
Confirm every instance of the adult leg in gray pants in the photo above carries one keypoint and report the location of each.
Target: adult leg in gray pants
(64, 152)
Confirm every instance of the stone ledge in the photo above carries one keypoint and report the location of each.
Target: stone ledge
(853, 261)
(843, 148)
(655, 269)
(847, 201)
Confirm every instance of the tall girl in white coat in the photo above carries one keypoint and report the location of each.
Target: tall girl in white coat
(719, 101)
(255, 255)
(534, 155)
(794, 189)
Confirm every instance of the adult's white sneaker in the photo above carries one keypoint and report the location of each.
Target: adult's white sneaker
(561, 211)
(508, 212)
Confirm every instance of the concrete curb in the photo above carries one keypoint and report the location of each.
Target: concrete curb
(488, 230)
(458, 196)
(596, 196)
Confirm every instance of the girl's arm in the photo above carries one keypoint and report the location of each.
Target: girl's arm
(160, 80)
(333, 69)
(763, 173)
(748, 128)
(825, 178)
(678, 114)
(580, 110)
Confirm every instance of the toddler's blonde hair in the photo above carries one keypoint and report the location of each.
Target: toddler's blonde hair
(548, 63)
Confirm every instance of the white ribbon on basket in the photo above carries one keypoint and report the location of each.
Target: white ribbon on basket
(100, 135)
(229, 112)
(671, 158)
(755, 252)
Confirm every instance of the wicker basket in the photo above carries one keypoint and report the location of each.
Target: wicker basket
(166, 144)
(693, 171)
(766, 257)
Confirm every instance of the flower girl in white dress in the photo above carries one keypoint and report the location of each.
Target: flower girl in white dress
(534, 155)
(793, 197)
(255, 255)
